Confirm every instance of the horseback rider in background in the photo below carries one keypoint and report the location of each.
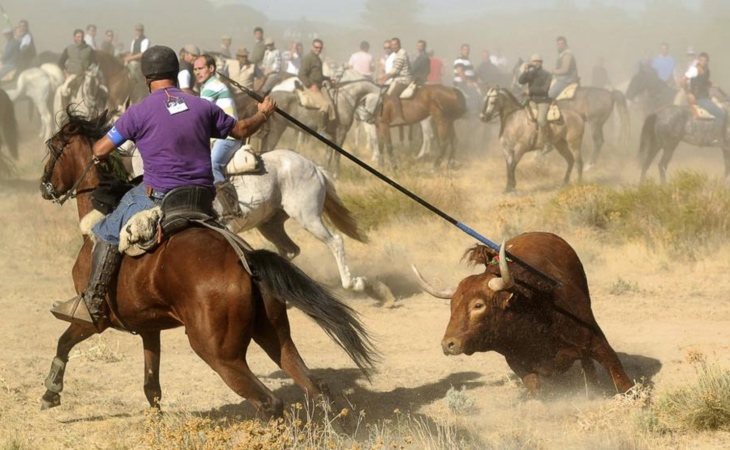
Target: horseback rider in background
(399, 76)
(566, 69)
(75, 59)
(538, 81)
(698, 90)
(172, 131)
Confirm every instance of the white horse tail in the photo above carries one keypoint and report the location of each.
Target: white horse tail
(338, 214)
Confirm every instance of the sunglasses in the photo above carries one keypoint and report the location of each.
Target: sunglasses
(317, 47)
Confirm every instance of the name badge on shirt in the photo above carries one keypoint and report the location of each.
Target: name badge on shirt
(176, 105)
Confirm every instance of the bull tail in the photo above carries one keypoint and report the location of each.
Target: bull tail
(648, 139)
(341, 217)
(619, 102)
(286, 283)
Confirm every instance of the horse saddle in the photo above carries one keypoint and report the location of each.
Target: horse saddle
(181, 208)
(569, 92)
(409, 91)
(245, 161)
(553, 115)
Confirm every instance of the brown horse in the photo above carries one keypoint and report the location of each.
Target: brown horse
(595, 105)
(220, 305)
(443, 104)
(122, 87)
(518, 133)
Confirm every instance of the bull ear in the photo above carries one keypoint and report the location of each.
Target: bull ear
(505, 299)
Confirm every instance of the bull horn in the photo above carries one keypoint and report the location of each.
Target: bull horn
(505, 281)
(444, 293)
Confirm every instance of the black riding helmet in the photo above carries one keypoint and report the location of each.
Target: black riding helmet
(160, 63)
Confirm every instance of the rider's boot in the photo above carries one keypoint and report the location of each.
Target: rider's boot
(89, 306)
(227, 196)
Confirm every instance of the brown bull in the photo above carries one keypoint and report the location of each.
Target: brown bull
(539, 332)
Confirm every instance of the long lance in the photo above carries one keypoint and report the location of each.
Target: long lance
(552, 283)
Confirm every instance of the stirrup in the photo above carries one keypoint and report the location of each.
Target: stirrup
(74, 311)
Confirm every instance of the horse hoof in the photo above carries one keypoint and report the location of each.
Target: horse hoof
(587, 167)
(358, 284)
(50, 403)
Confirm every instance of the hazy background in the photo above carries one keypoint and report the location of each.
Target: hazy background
(619, 31)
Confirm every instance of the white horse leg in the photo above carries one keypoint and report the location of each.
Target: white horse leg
(427, 131)
(371, 137)
(337, 247)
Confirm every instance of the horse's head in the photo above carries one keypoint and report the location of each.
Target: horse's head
(493, 103)
(67, 170)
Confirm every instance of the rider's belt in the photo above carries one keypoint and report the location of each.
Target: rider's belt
(154, 194)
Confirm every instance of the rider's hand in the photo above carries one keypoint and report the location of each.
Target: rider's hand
(267, 106)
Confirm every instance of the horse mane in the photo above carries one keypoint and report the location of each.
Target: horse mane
(78, 124)
(479, 254)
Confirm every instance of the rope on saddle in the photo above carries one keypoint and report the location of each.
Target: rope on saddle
(239, 245)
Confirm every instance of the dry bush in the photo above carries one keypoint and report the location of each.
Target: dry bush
(685, 216)
(303, 427)
(702, 405)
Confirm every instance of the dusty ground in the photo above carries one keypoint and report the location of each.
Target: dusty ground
(675, 306)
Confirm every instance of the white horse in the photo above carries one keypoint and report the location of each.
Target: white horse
(292, 186)
(90, 97)
(39, 84)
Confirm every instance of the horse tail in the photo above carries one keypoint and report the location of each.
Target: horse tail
(8, 124)
(648, 136)
(337, 213)
(619, 101)
(282, 280)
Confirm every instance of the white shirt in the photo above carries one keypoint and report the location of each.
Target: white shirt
(25, 40)
(90, 41)
(692, 71)
(184, 80)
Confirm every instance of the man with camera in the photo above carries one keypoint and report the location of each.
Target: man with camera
(538, 84)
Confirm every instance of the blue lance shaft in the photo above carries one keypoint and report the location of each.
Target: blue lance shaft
(552, 283)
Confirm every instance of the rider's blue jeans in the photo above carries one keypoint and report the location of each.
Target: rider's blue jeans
(221, 154)
(713, 109)
(134, 201)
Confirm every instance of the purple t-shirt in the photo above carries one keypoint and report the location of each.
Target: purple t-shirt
(175, 148)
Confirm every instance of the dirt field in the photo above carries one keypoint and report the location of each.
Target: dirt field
(654, 307)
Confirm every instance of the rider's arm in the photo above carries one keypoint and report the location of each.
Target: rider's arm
(62, 59)
(104, 147)
(248, 126)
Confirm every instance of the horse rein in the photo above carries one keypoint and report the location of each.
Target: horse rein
(73, 191)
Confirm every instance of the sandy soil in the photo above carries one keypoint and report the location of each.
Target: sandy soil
(677, 306)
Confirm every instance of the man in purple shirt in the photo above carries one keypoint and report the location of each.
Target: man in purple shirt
(172, 131)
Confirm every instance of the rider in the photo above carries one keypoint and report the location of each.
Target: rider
(139, 45)
(566, 70)
(75, 59)
(90, 36)
(538, 83)
(468, 74)
(258, 49)
(215, 91)
(9, 60)
(27, 46)
(244, 73)
(271, 66)
(185, 80)
(172, 131)
(664, 64)
(422, 64)
(362, 61)
(400, 74)
(699, 84)
(312, 77)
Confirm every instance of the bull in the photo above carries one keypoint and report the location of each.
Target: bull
(541, 330)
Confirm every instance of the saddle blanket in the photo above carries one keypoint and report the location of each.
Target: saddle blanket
(553, 114)
(568, 92)
(409, 91)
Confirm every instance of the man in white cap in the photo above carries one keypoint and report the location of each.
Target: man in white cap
(271, 66)
(185, 78)
(538, 81)
(243, 72)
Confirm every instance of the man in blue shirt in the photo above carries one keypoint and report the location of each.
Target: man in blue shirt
(664, 64)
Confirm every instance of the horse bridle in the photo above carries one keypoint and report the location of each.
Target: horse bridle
(48, 187)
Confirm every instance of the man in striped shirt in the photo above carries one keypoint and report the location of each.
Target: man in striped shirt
(215, 91)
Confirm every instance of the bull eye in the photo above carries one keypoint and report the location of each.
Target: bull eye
(479, 305)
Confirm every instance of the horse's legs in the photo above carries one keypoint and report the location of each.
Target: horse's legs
(427, 132)
(227, 358)
(45, 116)
(272, 333)
(649, 156)
(54, 382)
(598, 140)
(152, 389)
(664, 161)
(442, 137)
(312, 222)
(562, 147)
(274, 231)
